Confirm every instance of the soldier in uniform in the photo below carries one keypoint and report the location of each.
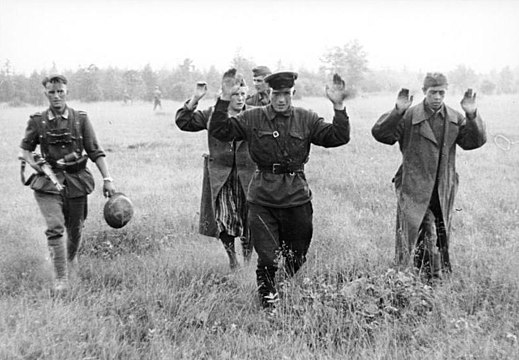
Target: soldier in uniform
(227, 173)
(67, 140)
(279, 137)
(426, 182)
(262, 95)
(157, 96)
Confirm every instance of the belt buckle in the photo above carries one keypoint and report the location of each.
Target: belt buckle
(275, 168)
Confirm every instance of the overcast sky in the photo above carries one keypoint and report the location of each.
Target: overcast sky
(418, 35)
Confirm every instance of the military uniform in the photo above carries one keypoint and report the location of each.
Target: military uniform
(258, 99)
(280, 208)
(58, 137)
(228, 167)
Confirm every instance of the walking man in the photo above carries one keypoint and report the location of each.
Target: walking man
(66, 140)
(279, 137)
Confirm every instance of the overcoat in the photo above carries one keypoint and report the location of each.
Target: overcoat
(218, 164)
(425, 161)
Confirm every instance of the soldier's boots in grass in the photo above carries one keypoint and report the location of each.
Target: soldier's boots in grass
(58, 253)
(265, 280)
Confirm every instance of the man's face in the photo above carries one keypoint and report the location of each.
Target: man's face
(281, 99)
(434, 96)
(56, 92)
(238, 99)
(260, 84)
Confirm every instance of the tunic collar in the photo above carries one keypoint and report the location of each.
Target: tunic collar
(52, 116)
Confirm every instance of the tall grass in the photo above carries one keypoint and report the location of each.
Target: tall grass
(157, 290)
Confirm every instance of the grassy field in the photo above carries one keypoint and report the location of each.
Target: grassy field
(157, 290)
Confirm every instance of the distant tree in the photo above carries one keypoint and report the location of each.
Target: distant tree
(462, 78)
(505, 81)
(487, 87)
(150, 80)
(244, 66)
(86, 84)
(112, 83)
(134, 85)
(349, 60)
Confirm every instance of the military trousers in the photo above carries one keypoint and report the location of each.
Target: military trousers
(63, 214)
(275, 232)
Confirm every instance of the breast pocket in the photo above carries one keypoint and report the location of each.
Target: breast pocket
(298, 144)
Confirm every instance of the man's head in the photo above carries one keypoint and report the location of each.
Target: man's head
(434, 88)
(282, 85)
(56, 91)
(238, 95)
(258, 78)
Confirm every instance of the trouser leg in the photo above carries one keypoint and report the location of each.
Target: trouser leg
(427, 256)
(264, 230)
(246, 245)
(228, 244)
(51, 207)
(75, 215)
(296, 235)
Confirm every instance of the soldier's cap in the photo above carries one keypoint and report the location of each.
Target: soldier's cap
(261, 71)
(54, 78)
(281, 80)
(435, 79)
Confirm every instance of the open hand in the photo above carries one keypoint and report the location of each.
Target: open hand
(337, 92)
(403, 100)
(200, 90)
(230, 82)
(468, 103)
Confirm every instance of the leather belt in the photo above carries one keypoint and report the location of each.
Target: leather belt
(278, 168)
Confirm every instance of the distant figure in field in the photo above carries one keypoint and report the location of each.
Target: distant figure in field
(157, 98)
(262, 95)
(426, 182)
(227, 172)
(67, 140)
(127, 99)
(279, 137)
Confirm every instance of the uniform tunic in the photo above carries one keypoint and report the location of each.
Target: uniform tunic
(258, 99)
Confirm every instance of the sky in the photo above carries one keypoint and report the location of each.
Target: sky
(419, 35)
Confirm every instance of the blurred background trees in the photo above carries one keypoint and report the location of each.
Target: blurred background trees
(92, 83)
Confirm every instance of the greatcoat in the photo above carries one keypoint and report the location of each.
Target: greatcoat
(425, 161)
(218, 164)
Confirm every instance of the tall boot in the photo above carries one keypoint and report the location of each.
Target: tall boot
(228, 244)
(58, 252)
(265, 279)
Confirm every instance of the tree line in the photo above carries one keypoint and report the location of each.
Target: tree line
(92, 83)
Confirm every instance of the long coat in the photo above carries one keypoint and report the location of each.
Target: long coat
(423, 161)
(218, 164)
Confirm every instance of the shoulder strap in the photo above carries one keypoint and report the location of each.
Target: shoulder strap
(39, 119)
(79, 117)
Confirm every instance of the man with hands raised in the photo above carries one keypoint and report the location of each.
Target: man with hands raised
(426, 182)
(227, 172)
(279, 137)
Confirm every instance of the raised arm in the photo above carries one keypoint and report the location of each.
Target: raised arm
(190, 119)
(389, 127)
(222, 126)
(472, 133)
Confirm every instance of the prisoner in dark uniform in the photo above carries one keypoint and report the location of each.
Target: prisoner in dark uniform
(279, 137)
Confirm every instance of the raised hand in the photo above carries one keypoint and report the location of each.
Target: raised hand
(230, 82)
(468, 103)
(200, 90)
(403, 100)
(337, 92)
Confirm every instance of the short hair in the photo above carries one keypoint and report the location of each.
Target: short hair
(55, 78)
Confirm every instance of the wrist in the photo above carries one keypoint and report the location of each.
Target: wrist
(108, 179)
(339, 107)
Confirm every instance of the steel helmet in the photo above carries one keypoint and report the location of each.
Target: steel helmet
(118, 210)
